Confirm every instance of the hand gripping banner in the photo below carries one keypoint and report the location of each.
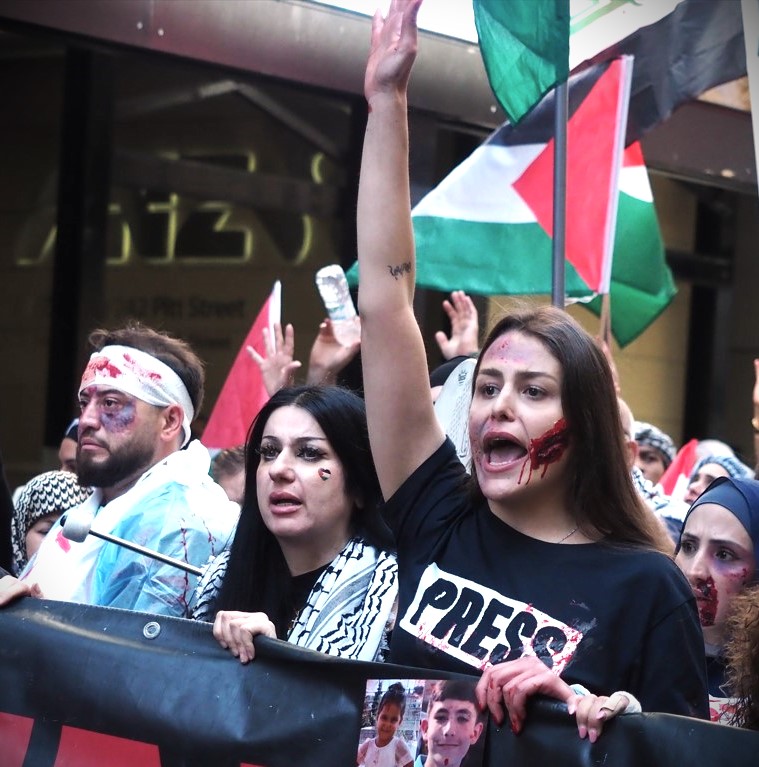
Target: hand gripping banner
(97, 687)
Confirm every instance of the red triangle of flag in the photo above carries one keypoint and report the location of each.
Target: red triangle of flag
(591, 143)
(243, 393)
(681, 466)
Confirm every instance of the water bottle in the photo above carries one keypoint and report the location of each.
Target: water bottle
(333, 288)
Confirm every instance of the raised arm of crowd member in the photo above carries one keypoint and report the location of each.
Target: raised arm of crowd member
(277, 366)
(465, 327)
(328, 356)
(500, 565)
(396, 377)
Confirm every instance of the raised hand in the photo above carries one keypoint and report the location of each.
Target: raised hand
(393, 49)
(328, 356)
(278, 366)
(465, 327)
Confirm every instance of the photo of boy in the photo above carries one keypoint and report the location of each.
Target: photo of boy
(453, 725)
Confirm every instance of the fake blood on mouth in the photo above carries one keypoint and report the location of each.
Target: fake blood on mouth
(546, 449)
(707, 609)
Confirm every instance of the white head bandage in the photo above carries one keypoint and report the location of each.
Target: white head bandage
(140, 375)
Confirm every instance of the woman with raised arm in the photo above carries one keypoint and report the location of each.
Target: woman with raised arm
(546, 558)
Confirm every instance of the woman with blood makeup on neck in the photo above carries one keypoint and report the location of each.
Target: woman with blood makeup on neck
(718, 552)
(311, 560)
(543, 569)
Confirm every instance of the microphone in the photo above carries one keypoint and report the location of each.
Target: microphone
(76, 527)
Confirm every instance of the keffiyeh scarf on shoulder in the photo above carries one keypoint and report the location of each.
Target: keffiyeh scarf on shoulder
(349, 611)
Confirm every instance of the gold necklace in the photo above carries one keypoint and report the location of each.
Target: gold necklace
(569, 534)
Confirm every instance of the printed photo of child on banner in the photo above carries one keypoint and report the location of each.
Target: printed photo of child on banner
(421, 723)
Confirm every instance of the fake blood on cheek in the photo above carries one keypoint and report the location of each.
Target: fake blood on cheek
(548, 448)
(707, 608)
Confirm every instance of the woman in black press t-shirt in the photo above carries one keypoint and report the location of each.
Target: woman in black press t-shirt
(544, 568)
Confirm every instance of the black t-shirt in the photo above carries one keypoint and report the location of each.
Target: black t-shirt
(474, 591)
(296, 593)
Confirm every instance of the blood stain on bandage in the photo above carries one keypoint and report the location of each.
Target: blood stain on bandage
(101, 365)
(62, 541)
(139, 370)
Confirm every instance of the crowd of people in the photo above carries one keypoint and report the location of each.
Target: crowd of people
(501, 516)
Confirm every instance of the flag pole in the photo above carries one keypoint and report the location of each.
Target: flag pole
(605, 319)
(561, 116)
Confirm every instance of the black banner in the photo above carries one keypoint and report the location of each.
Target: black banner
(87, 686)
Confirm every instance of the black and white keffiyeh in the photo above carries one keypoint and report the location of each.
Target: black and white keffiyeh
(348, 612)
(52, 492)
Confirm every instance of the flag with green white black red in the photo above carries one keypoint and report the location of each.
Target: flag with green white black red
(681, 48)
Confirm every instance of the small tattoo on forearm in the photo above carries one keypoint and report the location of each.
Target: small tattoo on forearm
(399, 269)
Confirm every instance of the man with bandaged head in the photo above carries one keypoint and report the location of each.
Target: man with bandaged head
(138, 395)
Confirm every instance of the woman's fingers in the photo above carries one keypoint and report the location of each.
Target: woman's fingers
(235, 631)
(12, 588)
(508, 686)
(592, 711)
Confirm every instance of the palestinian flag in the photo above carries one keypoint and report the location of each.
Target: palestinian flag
(525, 49)
(697, 46)
(681, 48)
(486, 227)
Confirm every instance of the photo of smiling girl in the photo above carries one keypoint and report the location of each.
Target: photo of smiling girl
(385, 749)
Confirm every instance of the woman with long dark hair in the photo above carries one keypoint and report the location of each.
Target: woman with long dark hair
(310, 561)
(544, 567)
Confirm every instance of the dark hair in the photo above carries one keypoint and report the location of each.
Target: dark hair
(228, 462)
(174, 352)
(455, 689)
(395, 695)
(257, 575)
(600, 495)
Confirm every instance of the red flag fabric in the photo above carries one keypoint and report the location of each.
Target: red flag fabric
(675, 479)
(243, 393)
(595, 136)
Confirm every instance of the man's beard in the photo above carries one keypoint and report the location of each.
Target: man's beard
(129, 460)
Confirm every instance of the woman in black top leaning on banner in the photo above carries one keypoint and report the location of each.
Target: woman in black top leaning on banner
(310, 561)
(547, 553)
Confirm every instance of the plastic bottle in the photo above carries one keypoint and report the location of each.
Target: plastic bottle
(335, 293)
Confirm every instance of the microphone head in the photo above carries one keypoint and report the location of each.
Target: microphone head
(76, 524)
